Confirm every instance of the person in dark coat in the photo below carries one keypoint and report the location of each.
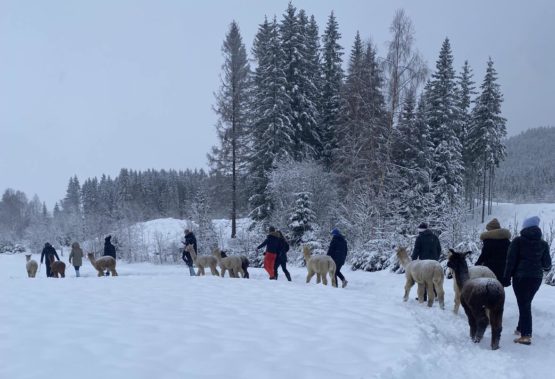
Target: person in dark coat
(109, 250)
(527, 259)
(426, 246)
(495, 247)
(273, 246)
(47, 252)
(189, 239)
(281, 259)
(338, 252)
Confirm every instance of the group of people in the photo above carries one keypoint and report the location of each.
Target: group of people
(75, 257)
(522, 261)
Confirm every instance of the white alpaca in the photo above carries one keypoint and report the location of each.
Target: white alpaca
(31, 266)
(233, 264)
(474, 272)
(103, 263)
(203, 261)
(321, 265)
(427, 273)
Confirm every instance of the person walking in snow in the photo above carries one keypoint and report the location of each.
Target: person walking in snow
(528, 257)
(281, 259)
(189, 239)
(76, 257)
(426, 246)
(47, 252)
(272, 244)
(109, 250)
(495, 247)
(338, 252)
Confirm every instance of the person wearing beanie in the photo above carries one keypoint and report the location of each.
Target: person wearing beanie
(528, 257)
(338, 252)
(189, 239)
(109, 250)
(47, 252)
(426, 246)
(273, 246)
(495, 247)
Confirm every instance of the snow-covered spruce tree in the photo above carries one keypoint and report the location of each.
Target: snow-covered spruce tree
(232, 101)
(272, 135)
(71, 217)
(301, 218)
(332, 79)
(300, 86)
(488, 131)
(442, 117)
(205, 233)
(466, 90)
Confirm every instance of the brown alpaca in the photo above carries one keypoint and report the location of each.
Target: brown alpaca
(473, 272)
(57, 268)
(31, 266)
(203, 261)
(427, 273)
(103, 263)
(481, 298)
(233, 264)
(321, 265)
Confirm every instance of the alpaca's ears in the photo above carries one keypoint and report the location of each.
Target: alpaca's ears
(467, 253)
(452, 251)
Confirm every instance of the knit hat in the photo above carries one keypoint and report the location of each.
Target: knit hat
(422, 227)
(493, 224)
(271, 229)
(335, 232)
(531, 221)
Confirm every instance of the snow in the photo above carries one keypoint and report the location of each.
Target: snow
(156, 321)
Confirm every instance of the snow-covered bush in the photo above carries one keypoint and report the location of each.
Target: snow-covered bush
(375, 255)
(11, 248)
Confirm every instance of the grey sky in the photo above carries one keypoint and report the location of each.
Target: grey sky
(88, 87)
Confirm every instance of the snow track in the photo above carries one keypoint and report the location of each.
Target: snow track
(156, 321)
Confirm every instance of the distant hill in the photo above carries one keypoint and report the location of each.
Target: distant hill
(528, 172)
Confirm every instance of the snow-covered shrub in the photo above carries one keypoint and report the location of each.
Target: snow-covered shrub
(302, 217)
(11, 248)
(375, 255)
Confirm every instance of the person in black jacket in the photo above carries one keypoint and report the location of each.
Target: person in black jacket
(426, 246)
(281, 259)
(496, 243)
(47, 252)
(189, 239)
(338, 252)
(527, 259)
(109, 250)
(273, 245)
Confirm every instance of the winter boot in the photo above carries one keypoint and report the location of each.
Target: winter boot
(344, 284)
(525, 340)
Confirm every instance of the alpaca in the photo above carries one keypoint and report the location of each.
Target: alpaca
(31, 266)
(203, 261)
(233, 264)
(57, 268)
(427, 273)
(245, 263)
(321, 265)
(481, 298)
(103, 263)
(474, 272)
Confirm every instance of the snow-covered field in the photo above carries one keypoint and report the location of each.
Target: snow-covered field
(154, 321)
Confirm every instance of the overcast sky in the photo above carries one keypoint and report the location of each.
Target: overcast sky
(88, 87)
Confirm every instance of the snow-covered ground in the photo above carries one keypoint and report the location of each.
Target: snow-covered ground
(154, 321)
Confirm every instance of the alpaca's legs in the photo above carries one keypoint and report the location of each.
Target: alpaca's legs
(309, 276)
(496, 322)
(324, 278)
(318, 278)
(421, 287)
(481, 324)
(333, 279)
(100, 273)
(408, 286)
(430, 290)
(440, 294)
(457, 299)
(471, 320)
(242, 272)
(114, 272)
(214, 270)
(223, 271)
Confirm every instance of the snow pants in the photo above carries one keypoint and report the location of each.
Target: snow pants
(525, 289)
(269, 264)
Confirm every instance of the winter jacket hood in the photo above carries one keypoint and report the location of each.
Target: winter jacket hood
(528, 255)
(493, 224)
(496, 234)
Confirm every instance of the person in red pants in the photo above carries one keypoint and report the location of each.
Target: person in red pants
(272, 243)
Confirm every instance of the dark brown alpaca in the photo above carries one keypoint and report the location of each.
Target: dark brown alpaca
(57, 268)
(481, 298)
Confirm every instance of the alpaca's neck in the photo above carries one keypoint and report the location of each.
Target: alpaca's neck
(93, 260)
(193, 255)
(404, 259)
(28, 258)
(218, 256)
(461, 274)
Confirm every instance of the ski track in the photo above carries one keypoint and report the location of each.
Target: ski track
(156, 321)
